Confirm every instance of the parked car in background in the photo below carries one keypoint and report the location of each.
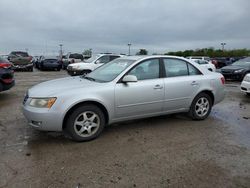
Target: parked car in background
(222, 61)
(237, 70)
(90, 64)
(21, 60)
(50, 63)
(199, 57)
(130, 87)
(72, 58)
(245, 84)
(6, 75)
(206, 64)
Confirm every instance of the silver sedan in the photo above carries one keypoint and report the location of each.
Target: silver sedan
(126, 88)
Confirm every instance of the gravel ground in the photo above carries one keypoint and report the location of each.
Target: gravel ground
(166, 151)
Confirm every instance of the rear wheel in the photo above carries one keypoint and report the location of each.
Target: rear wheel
(85, 123)
(248, 94)
(201, 107)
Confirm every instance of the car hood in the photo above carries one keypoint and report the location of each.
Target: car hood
(232, 67)
(58, 86)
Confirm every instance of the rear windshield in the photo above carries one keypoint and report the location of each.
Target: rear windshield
(2, 60)
(20, 54)
(76, 56)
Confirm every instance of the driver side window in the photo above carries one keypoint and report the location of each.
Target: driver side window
(148, 69)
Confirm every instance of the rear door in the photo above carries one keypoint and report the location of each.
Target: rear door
(143, 97)
(181, 83)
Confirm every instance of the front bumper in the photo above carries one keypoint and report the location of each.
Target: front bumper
(245, 87)
(4, 86)
(73, 72)
(22, 67)
(43, 119)
(233, 76)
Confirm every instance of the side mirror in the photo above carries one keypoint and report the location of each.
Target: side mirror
(129, 78)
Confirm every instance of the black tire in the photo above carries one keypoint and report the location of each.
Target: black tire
(248, 94)
(71, 129)
(193, 112)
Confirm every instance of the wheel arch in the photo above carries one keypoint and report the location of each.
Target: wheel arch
(209, 93)
(89, 102)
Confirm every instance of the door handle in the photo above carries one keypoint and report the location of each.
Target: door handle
(158, 86)
(194, 83)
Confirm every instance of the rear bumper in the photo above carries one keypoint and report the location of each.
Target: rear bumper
(233, 76)
(51, 67)
(22, 67)
(4, 86)
(74, 72)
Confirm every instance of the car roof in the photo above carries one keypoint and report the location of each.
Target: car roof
(140, 57)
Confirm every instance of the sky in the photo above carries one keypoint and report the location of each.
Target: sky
(109, 25)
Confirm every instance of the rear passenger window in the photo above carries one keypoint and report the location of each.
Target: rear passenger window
(175, 67)
(192, 70)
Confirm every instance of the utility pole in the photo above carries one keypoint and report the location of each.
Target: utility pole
(61, 52)
(129, 44)
(223, 46)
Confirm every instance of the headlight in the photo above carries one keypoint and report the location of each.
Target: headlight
(42, 102)
(247, 79)
(238, 71)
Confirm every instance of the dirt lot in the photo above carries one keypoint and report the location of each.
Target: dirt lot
(167, 151)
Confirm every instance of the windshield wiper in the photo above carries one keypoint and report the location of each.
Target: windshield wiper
(88, 78)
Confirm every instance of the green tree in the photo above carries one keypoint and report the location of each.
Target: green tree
(142, 52)
(87, 52)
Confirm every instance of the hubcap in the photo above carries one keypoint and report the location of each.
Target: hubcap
(86, 124)
(202, 106)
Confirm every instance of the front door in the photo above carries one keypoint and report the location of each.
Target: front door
(141, 98)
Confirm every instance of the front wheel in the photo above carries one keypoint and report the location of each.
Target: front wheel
(201, 107)
(85, 123)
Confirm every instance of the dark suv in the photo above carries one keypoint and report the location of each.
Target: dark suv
(6, 75)
(21, 60)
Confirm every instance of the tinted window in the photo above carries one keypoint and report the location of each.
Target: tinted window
(76, 56)
(175, 67)
(149, 69)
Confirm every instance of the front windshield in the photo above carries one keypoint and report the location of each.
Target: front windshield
(109, 71)
(93, 58)
(242, 64)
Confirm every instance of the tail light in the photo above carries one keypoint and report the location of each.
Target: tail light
(5, 65)
(222, 80)
(7, 80)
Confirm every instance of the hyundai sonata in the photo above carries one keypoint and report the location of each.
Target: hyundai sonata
(124, 89)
